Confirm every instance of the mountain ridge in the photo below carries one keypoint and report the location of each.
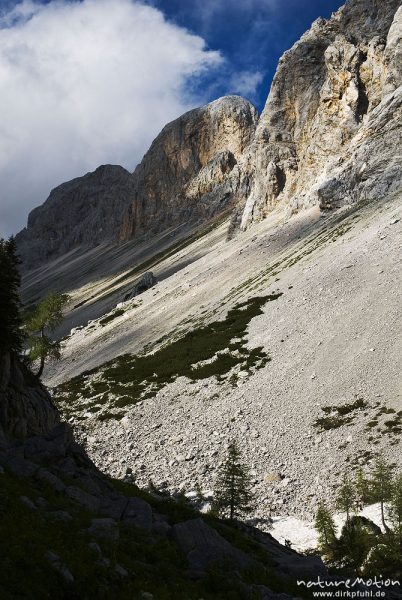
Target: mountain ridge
(182, 178)
(331, 94)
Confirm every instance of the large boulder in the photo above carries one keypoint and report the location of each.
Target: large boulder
(146, 281)
(203, 546)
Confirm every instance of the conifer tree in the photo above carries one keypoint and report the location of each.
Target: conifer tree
(362, 489)
(42, 322)
(326, 529)
(232, 494)
(10, 317)
(381, 486)
(346, 498)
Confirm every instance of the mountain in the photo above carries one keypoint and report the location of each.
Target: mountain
(182, 178)
(328, 134)
(275, 316)
(82, 212)
(184, 175)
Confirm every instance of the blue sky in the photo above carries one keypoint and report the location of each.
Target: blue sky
(251, 34)
(90, 82)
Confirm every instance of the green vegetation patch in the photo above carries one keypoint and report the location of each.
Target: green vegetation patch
(208, 351)
(394, 425)
(337, 416)
(116, 313)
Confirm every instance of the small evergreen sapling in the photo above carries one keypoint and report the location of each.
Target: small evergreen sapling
(232, 494)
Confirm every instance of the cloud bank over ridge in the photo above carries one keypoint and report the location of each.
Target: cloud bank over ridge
(86, 83)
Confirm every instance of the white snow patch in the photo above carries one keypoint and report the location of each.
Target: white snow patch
(303, 535)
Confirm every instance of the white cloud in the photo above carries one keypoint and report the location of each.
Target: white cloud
(85, 83)
(209, 10)
(246, 83)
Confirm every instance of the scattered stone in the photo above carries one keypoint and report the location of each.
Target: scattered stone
(28, 502)
(88, 501)
(272, 478)
(60, 515)
(104, 529)
(51, 479)
(121, 570)
(138, 513)
(96, 548)
(58, 566)
(204, 546)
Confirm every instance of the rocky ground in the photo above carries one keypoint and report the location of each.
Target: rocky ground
(69, 531)
(334, 344)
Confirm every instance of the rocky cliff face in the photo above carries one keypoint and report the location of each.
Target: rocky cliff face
(85, 211)
(185, 174)
(329, 131)
(329, 135)
(183, 177)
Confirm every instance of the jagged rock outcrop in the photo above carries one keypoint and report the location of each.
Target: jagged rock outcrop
(185, 173)
(83, 212)
(146, 281)
(329, 131)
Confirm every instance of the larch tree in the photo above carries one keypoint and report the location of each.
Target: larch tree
(381, 486)
(346, 498)
(362, 488)
(325, 526)
(42, 322)
(395, 509)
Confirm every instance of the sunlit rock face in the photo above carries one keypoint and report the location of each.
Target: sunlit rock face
(189, 171)
(327, 134)
(184, 177)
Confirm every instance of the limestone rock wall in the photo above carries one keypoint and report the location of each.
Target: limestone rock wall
(330, 99)
(185, 173)
(183, 177)
(83, 212)
(328, 135)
